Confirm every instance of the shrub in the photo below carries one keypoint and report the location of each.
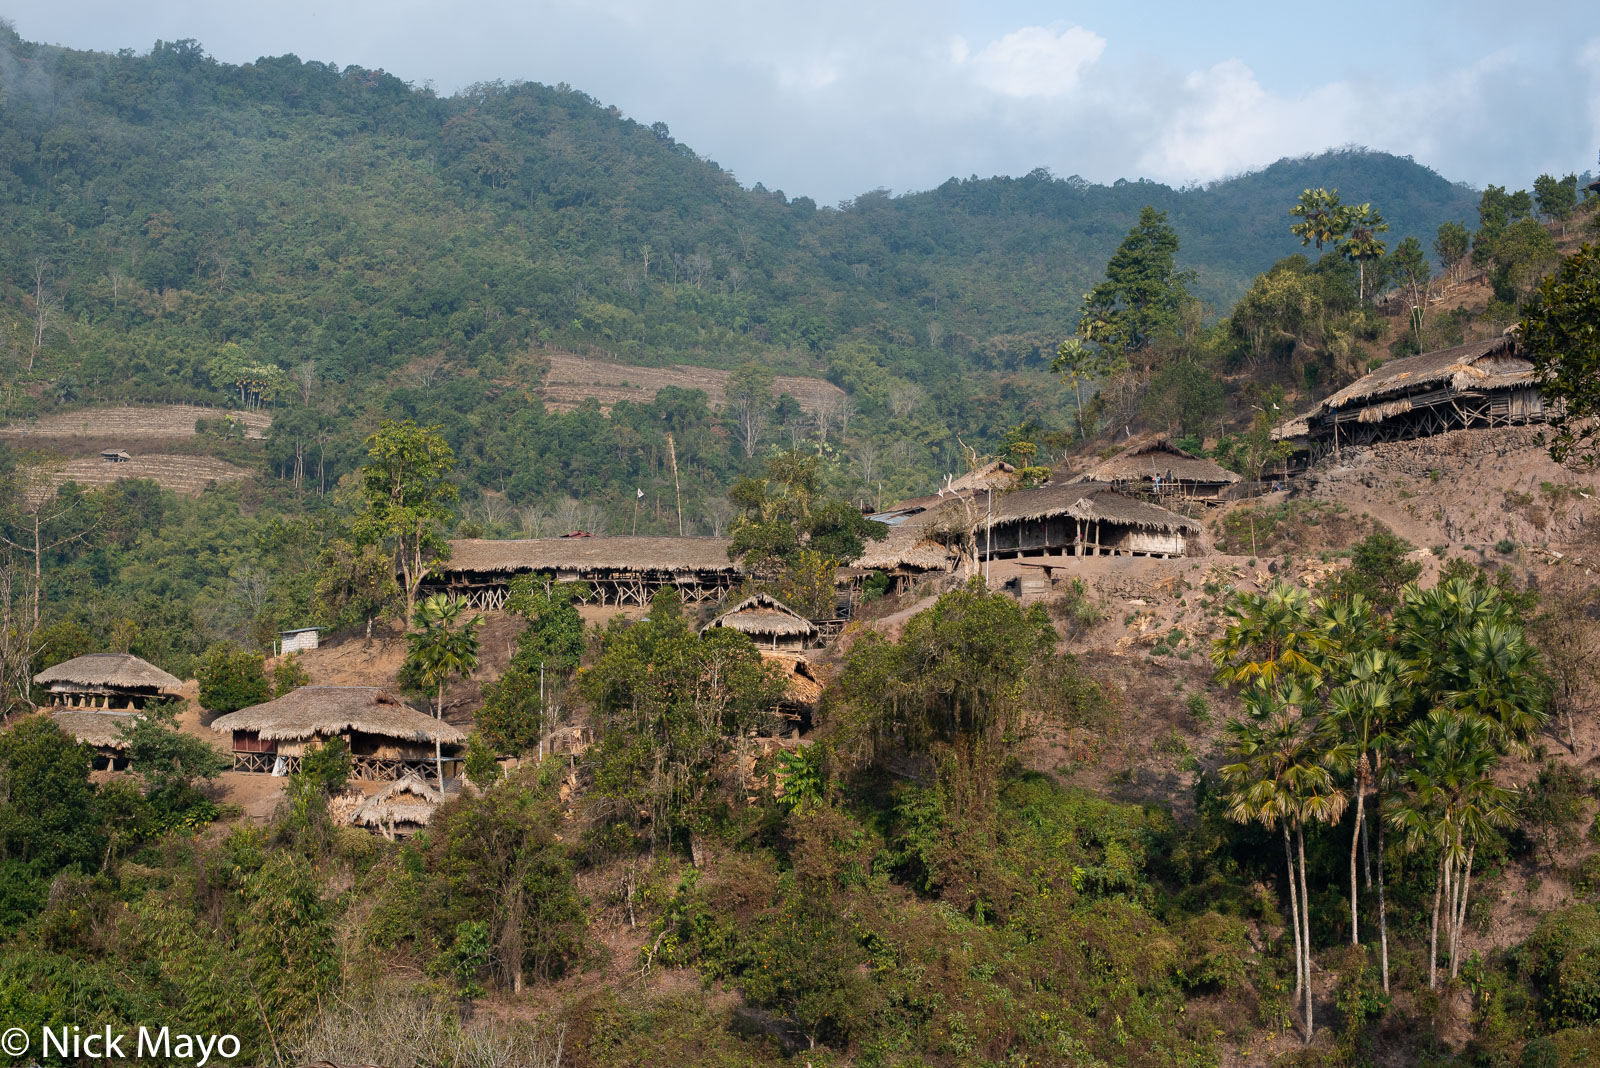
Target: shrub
(1563, 959)
(232, 678)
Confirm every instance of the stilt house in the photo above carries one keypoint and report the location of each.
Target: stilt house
(386, 736)
(619, 571)
(1160, 469)
(106, 681)
(769, 622)
(1080, 520)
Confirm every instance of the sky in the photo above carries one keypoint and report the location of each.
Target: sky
(837, 97)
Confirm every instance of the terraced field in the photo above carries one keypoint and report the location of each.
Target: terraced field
(573, 379)
(182, 474)
(135, 421)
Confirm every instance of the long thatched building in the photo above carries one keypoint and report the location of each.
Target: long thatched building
(1486, 383)
(926, 536)
(386, 736)
(1160, 469)
(769, 622)
(1076, 519)
(106, 681)
(619, 571)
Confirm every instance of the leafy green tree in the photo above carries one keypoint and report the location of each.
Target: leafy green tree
(1380, 568)
(355, 582)
(1409, 265)
(786, 511)
(1185, 397)
(328, 766)
(1079, 364)
(47, 804)
(288, 674)
(1452, 803)
(1557, 197)
(1561, 334)
(169, 761)
(1282, 776)
(441, 646)
(512, 718)
(1451, 245)
(1524, 253)
(1323, 219)
(1360, 242)
(1143, 291)
(407, 495)
(670, 704)
(749, 392)
(553, 638)
(232, 678)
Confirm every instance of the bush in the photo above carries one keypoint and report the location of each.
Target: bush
(232, 678)
(288, 674)
(1563, 959)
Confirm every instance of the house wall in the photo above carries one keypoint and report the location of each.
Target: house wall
(295, 643)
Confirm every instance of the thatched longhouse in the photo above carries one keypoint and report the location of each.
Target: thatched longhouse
(619, 571)
(769, 622)
(925, 535)
(1079, 520)
(106, 681)
(1481, 384)
(1161, 469)
(386, 736)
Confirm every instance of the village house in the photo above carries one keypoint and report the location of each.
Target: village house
(94, 697)
(619, 571)
(1160, 469)
(1486, 383)
(400, 809)
(1082, 520)
(387, 737)
(769, 623)
(925, 536)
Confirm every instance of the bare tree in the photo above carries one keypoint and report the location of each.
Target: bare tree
(534, 521)
(719, 513)
(46, 309)
(40, 511)
(825, 412)
(735, 278)
(867, 460)
(904, 398)
(19, 639)
(644, 254)
(305, 379)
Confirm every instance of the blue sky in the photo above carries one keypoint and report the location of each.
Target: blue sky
(836, 97)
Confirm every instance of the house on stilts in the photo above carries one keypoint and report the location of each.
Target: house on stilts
(387, 738)
(1487, 383)
(94, 697)
(770, 623)
(1162, 470)
(1078, 519)
(618, 570)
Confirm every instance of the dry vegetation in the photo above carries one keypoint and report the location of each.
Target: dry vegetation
(573, 379)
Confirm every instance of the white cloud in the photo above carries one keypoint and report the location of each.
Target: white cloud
(1036, 61)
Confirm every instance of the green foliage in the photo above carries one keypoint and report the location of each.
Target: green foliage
(482, 763)
(232, 678)
(1562, 338)
(1451, 245)
(786, 511)
(1143, 290)
(669, 704)
(1380, 568)
(1557, 197)
(553, 638)
(47, 805)
(170, 761)
(1562, 958)
(1323, 219)
(443, 645)
(327, 766)
(512, 717)
(288, 674)
(407, 497)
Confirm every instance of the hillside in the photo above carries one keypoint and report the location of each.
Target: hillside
(168, 218)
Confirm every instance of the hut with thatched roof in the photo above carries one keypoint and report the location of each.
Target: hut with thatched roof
(769, 622)
(399, 809)
(1486, 383)
(386, 736)
(1160, 469)
(925, 536)
(619, 571)
(106, 681)
(1082, 520)
(100, 730)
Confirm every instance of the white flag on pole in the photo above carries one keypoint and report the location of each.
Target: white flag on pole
(638, 493)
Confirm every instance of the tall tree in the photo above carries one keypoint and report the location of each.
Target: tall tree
(1143, 291)
(1409, 265)
(1561, 334)
(1360, 242)
(1557, 197)
(407, 493)
(442, 646)
(749, 392)
(1451, 245)
(1323, 219)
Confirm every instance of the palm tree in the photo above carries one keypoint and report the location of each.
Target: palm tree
(1269, 635)
(1361, 243)
(1284, 778)
(442, 646)
(1452, 802)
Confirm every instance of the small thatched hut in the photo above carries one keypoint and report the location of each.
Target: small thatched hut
(1485, 383)
(101, 731)
(1160, 468)
(402, 808)
(106, 681)
(1080, 520)
(386, 736)
(625, 570)
(925, 535)
(769, 622)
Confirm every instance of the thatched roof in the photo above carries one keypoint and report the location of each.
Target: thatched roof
(100, 729)
(918, 533)
(120, 671)
(1091, 504)
(1297, 427)
(329, 710)
(406, 800)
(1493, 363)
(997, 474)
(1158, 457)
(800, 683)
(590, 554)
(763, 614)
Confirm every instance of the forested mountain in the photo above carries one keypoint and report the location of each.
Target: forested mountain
(165, 205)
